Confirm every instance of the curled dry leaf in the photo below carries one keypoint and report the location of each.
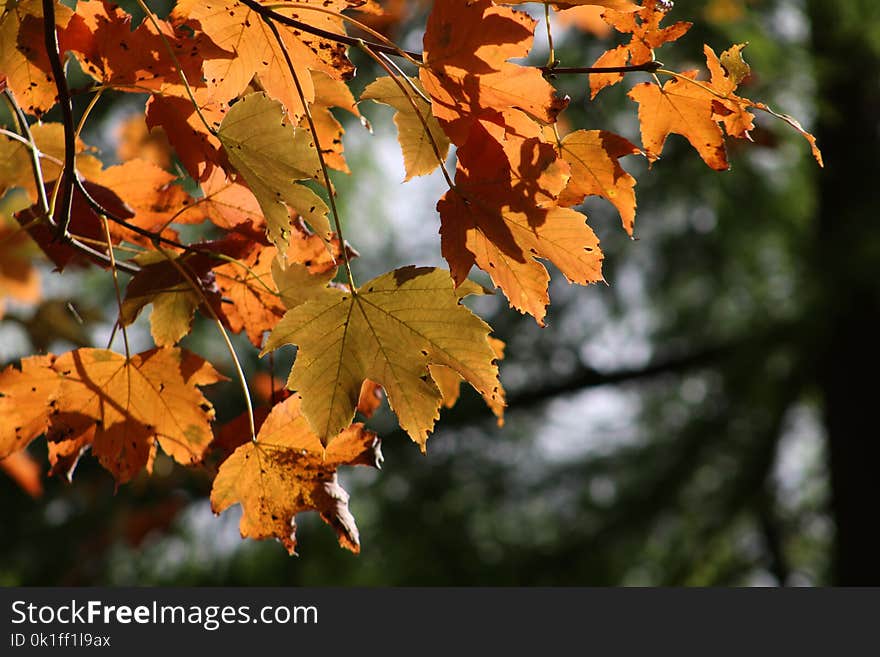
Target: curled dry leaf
(288, 471)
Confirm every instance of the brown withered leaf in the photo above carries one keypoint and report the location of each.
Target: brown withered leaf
(287, 471)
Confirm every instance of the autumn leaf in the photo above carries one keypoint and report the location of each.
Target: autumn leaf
(255, 306)
(389, 331)
(592, 156)
(502, 216)
(197, 148)
(149, 191)
(171, 293)
(26, 68)
(255, 296)
(133, 404)
(270, 154)
(253, 50)
(467, 73)
(288, 471)
(330, 93)
(647, 34)
(26, 396)
(225, 202)
(449, 383)
(682, 108)
(732, 111)
(418, 147)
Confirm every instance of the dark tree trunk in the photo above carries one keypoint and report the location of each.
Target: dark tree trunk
(846, 264)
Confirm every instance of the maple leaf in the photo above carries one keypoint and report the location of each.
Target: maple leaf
(254, 51)
(330, 93)
(592, 156)
(150, 194)
(254, 294)
(644, 25)
(288, 471)
(176, 285)
(270, 154)
(26, 69)
(502, 216)
(419, 156)
(732, 110)
(466, 72)
(449, 383)
(197, 148)
(133, 404)
(225, 202)
(389, 332)
(25, 402)
(682, 108)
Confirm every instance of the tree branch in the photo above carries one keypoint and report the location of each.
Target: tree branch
(50, 37)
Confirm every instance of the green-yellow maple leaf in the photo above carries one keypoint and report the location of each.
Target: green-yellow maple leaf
(271, 155)
(419, 157)
(390, 331)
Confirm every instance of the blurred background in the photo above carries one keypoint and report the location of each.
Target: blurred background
(705, 419)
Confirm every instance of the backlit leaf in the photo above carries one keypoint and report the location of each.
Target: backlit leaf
(389, 332)
(133, 404)
(271, 154)
(419, 156)
(288, 471)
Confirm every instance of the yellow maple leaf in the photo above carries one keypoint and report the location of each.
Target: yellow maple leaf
(271, 154)
(287, 471)
(419, 157)
(389, 331)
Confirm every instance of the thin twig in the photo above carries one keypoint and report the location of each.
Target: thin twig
(28, 139)
(116, 286)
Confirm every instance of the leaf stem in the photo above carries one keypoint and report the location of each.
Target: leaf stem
(28, 139)
(116, 286)
(551, 58)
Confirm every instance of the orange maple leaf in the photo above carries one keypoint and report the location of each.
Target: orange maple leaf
(466, 73)
(682, 108)
(592, 156)
(253, 50)
(134, 403)
(287, 471)
(25, 398)
(644, 25)
(502, 216)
